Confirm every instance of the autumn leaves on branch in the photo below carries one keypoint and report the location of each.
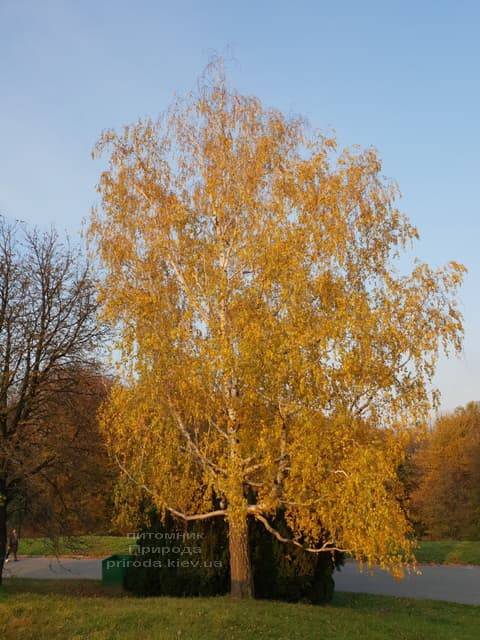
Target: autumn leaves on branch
(270, 355)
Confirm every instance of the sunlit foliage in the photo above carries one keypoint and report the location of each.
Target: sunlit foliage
(446, 498)
(270, 353)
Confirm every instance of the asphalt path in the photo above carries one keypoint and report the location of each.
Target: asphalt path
(454, 583)
(40, 567)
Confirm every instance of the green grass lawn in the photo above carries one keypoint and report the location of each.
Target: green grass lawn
(449, 552)
(38, 610)
(93, 546)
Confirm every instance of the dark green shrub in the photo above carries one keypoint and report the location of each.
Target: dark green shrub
(280, 571)
(199, 569)
(285, 572)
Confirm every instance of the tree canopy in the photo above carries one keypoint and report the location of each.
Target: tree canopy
(271, 353)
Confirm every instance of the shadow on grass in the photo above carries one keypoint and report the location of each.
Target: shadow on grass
(359, 602)
(391, 604)
(76, 588)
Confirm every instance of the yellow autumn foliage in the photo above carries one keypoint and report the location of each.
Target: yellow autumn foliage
(271, 354)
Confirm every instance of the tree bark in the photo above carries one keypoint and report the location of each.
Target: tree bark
(3, 527)
(241, 583)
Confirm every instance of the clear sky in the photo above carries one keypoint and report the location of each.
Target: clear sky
(402, 76)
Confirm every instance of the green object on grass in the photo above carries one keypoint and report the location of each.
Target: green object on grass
(114, 568)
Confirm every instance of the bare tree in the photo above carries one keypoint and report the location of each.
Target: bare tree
(48, 329)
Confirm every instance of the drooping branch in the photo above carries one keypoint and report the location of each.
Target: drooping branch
(175, 512)
(197, 516)
(326, 547)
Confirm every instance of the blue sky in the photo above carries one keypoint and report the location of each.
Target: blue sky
(402, 76)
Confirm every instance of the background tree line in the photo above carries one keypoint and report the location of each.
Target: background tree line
(443, 477)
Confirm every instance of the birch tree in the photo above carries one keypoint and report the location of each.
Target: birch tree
(271, 354)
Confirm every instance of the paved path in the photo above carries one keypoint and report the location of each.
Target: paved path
(53, 568)
(437, 582)
(454, 583)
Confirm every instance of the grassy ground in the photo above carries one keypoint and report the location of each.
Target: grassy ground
(449, 552)
(93, 546)
(36, 610)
